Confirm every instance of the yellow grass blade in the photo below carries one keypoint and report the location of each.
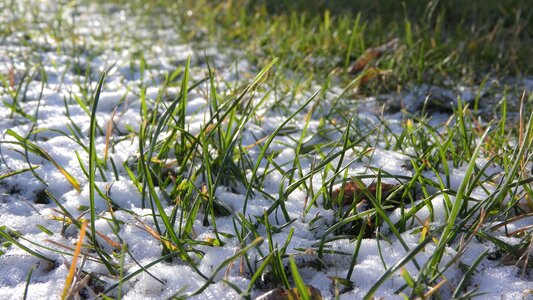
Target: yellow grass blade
(72, 269)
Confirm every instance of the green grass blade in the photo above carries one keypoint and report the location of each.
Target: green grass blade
(300, 285)
(390, 271)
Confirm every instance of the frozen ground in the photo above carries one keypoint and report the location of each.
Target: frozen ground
(61, 128)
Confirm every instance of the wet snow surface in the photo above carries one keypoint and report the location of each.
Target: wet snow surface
(62, 129)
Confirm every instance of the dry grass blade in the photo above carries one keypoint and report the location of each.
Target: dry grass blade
(108, 240)
(73, 249)
(12, 78)
(432, 291)
(108, 132)
(75, 257)
(156, 235)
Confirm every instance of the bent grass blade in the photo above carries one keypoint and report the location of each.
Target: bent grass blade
(40, 152)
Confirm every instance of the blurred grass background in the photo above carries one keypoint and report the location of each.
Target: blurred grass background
(439, 41)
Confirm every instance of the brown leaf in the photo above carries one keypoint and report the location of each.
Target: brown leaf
(353, 189)
(12, 78)
(292, 294)
(275, 294)
(370, 74)
(371, 54)
(363, 60)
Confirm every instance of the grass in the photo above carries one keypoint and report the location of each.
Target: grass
(439, 40)
(302, 59)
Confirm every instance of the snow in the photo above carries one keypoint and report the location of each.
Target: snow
(63, 134)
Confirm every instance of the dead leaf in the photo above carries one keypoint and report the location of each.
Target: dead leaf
(356, 190)
(12, 78)
(292, 294)
(372, 73)
(371, 54)
(363, 60)
(274, 294)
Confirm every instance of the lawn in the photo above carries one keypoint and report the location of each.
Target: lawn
(266, 149)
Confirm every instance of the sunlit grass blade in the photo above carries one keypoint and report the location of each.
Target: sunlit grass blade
(40, 152)
(227, 261)
(457, 205)
(468, 275)
(16, 172)
(300, 285)
(263, 151)
(392, 269)
(92, 178)
(6, 235)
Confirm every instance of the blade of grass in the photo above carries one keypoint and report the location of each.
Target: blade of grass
(262, 154)
(457, 205)
(6, 235)
(28, 279)
(466, 278)
(40, 152)
(240, 253)
(72, 269)
(300, 285)
(92, 177)
(16, 172)
(390, 271)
